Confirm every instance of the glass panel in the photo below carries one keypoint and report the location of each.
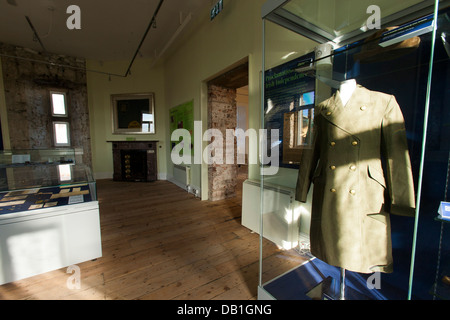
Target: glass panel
(18, 157)
(295, 262)
(341, 17)
(30, 187)
(30, 176)
(343, 22)
(289, 109)
(432, 256)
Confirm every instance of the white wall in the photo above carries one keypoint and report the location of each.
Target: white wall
(143, 78)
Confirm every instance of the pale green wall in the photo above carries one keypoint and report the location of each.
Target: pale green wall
(234, 35)
(215, 45)
(143, 78)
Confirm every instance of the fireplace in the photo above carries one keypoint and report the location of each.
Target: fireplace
(134, 160)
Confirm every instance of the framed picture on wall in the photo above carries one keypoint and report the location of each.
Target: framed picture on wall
(133, 113)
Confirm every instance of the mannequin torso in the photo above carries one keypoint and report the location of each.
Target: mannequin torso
(346, 90)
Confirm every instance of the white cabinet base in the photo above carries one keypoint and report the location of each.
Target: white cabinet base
(38, 241)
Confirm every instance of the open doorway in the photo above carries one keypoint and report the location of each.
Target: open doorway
(228, 109)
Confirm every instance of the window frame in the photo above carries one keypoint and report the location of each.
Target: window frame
(116, 100)
(59, 115)
(55, 140)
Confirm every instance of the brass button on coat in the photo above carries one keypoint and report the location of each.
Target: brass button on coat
(333, 167)
(333, 190)
(329, 113)
(353, 168)
(332, 143)
(363, 108)
(354, 143)
(352, 192)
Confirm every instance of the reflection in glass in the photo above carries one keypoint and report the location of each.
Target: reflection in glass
(64, 172)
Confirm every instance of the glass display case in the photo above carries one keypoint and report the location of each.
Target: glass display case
(357, 92)
(34, 179)
(49, 214)
(22, 157)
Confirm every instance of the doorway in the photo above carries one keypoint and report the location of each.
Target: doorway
(228, 109)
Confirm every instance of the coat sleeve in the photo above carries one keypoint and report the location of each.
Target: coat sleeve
(399, 176)
(308, 164)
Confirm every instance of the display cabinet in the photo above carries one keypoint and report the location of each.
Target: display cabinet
(394, 57)
(49, 215)
(22, 157)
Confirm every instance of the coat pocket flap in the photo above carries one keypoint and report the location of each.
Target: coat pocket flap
(376, 175)
(381, 217)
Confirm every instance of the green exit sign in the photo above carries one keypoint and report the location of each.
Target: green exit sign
(216, 9)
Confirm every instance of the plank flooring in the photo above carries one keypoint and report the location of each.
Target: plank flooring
(159, 242)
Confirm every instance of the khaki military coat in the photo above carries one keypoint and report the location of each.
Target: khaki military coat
(353, 196)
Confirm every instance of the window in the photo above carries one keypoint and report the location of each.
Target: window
(307, 98)
(61, 133)
(59, 107)
(61, 126)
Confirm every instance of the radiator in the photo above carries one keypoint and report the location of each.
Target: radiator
(285, 220)
(182, 178)
(182, 175)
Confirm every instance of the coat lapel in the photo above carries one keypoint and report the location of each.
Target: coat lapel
(342, 116)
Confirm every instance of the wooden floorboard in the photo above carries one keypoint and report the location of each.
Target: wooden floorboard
(159, 242)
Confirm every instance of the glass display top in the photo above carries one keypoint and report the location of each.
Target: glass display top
(26, 157)
(39, 176)
(341, 21)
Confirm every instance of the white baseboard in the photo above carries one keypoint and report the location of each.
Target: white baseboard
(196, 191)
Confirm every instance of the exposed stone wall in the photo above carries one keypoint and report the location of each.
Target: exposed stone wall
(27, 84)
(222, 115)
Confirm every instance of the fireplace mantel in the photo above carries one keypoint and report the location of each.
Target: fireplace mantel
(135, 160)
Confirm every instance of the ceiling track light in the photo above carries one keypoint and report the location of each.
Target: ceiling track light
(36, 36)
(152, 21)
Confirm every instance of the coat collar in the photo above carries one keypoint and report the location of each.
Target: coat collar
(335, 112)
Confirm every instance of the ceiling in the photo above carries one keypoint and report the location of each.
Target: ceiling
(110, 30)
